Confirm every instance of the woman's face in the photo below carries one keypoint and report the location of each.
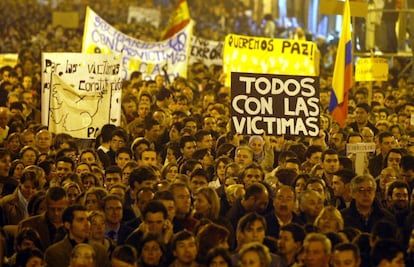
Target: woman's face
(171, 173)
(170, 156)
(29, 158)
(82, 168)
(18, 171)
(201, 204)
(257, 146)
(27, 189)
(218, 261)
(151, 253)
(88, 182)
(97, 228)
(299, 186)
(14, 144)
(221, 167)
(72, 193)
(328, 223)
(92, 202)
(34, 262)
(250, 259)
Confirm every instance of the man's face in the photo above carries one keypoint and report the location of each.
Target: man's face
(261, 202)
(112, 178)
(130, 108)
(284, 202)
(80, 227)
(28, 139)
(170, 206)
(154, 133)
(122, 159)
(330, 163)
(286, 244)
(399, 198)
(43, 140)
(386, 144)
(182, 200)
(206, 142)
(188, 149)
(251, 176)
(155, 222)
(312, 205)
(63, 168)
(407, 175)
(315, 255)
(315, 158)
(243, 157)
(5, 164)
(338, 186)
(361, 116)
(192, 125)
(55, 210)
(186, 251)
(209, 124)
(113, 211)
(255, 232)
(393, 160)
(364, 194)
(345, 258)
(144, 197)
(197, 182)
(148, 158)
(116, 143)
(337, 141)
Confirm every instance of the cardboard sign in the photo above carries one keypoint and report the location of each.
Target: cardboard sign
(274, 104)
(147, 57)
(69, 20)
(266, 55)
(80, 93)
(360, 148)
(371, 69)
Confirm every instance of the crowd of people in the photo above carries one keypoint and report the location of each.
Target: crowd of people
(173, 185)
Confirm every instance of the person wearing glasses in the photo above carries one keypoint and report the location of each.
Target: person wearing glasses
(364, 209)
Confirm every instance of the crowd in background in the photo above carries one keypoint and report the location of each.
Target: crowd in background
(174, 186)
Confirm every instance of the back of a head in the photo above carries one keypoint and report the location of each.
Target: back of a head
(386, 250)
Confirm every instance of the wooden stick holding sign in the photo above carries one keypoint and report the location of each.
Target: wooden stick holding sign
(360, 151)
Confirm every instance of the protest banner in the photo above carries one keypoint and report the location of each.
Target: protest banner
(65, 19)
(274, 104)
(80, 93)
(371, 69)
(266, 55)
(144, 15)
(147, 57)
(206, 51)
(8, 59)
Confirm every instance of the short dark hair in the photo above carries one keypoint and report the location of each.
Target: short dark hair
(349, 247)
(329, 152)
(181, 236)
(67, 160)
(298, 233)
(155, 206)
(364, 106)
(248, 219)
(55, 194)
(385, 249)
(113, 169)
(69, 213)
(397, 184)
(125, 253)
(346, 175)
(407, 163)
(140, 174)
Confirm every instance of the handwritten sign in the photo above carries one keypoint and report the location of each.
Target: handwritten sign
(207, 51)
(360, 148)
(274, 104)
(371, 69)
(144, 15)
(80, 93)
(266, 55)
(137, 55)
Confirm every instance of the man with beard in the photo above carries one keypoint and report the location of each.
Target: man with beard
(283, 213)
(398, 200)
(75, 220)
(338, 142)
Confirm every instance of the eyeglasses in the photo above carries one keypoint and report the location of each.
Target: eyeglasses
(368, 190)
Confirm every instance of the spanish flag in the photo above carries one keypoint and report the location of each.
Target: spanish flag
(178, 20)
(342, 77)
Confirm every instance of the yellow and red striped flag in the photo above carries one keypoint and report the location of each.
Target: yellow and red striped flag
(342, 77)
(178, 20)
